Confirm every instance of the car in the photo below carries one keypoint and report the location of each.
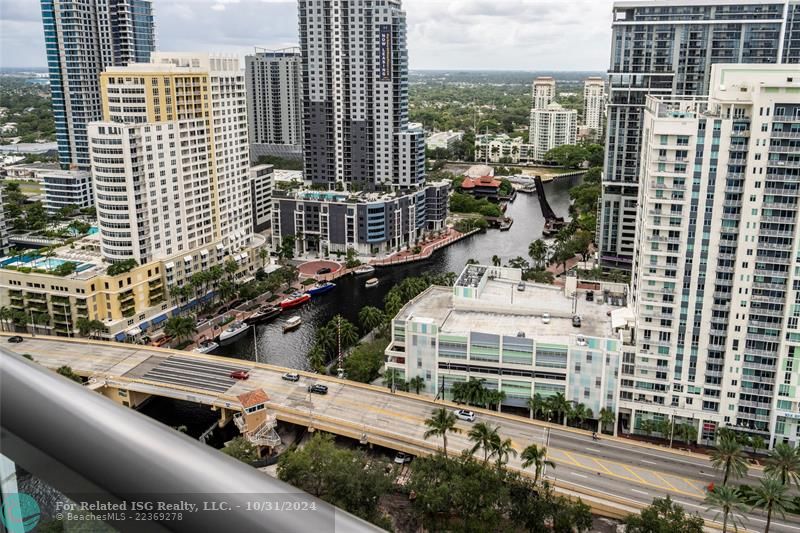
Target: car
(323, 270)
(545, 318)
(521, 286)
(291, 376)
(317, 388)
(576, 321)
(465, 415)
(240, 374)
(402, 458)
(590, 296)
(16, 339)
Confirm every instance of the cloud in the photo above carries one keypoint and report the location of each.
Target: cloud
(442, 34)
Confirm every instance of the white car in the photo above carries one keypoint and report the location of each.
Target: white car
(545, 318)
(402, 458)
(467, 416)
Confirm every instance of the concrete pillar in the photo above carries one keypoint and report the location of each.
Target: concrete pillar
(632, 421)
(225, 416)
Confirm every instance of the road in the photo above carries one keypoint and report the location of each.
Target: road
(615, 470)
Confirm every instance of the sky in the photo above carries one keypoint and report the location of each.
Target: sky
(442, 34)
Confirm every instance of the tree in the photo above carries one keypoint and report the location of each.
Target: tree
(417, 383)
(89, 328)
(286, 248)
(241, 449)
(230, 267)
(581, 242)
(725, 500)
(519, 262)
(392, 378)
(180, 328)
(771, 496)
(496, 261)
(561, 254)
(440, 423)
(537, 250)
(536, 405)
(607, 418)
(664, 516)
(757, 443)
(502, 450)
(536, 456)
(728, 457)
(345, 478)
(263, 254)
(568, 155)
(371, 317)
(67, 372)
(559, 404)
(364, 363)
(783, 462)
(5, 317)
(580, 413)
(484, 437)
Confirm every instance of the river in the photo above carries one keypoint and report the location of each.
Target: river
(350, 295)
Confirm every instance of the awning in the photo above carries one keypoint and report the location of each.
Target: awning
(203, 252)
(169, 266)
(144, 325)
(158, 320)
(207, 296)
(220, 247)
(134, 331)
(187, 259)
(120, 336)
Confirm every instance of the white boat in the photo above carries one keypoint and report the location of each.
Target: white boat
(234, 330)
(364, 269)
(371, 282)
(206, 346)
(293, 323)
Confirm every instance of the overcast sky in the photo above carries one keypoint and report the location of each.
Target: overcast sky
(442, 34)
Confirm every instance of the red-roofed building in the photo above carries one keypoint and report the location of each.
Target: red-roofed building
(484, 187)
(253, 398)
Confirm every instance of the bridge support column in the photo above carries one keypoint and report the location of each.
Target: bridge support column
(225, 416)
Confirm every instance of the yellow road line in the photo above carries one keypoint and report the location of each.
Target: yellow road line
(637, 476)
(601, 465)
(571, 458)
(662, 478)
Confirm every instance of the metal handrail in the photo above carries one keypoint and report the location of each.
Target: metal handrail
(92, 449)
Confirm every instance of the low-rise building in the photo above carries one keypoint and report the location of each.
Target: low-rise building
(484, 187)
(372, 223)
(261, 183)
(67, 188)
(502, 149)
(128, 300)
(492, 326)
(445, 140)
(30, 171)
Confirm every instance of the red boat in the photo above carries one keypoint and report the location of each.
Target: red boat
(294, 300)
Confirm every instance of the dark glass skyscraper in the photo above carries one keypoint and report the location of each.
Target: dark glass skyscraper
(667, 47)
(82, 38)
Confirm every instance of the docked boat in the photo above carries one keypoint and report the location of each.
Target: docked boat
(294, 300)
(236, 329)
(206, 346)
(264, 313)
(505, 225)
(321, 288)
(371, 282)
(291, 324)
(364, 269)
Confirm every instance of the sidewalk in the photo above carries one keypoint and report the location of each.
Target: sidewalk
(428, 247)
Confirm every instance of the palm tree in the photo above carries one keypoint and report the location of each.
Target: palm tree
(536, 405)
(371, 317)
(345, 331)
(537, 251)
(417, 383)
(502, 450)
(725, 499)
(729, 457)
(392, 378)
(180, 328)
(326, 339)
(536, 456)
(494, 398)
(559, 404)
(485, 437)
(440, 422)
(580, 413)
(316, 357)
(5, 315)
(496, 261)
(607, 418)
(770, 495)
(230, 267)
(263, 254)
(783, 462)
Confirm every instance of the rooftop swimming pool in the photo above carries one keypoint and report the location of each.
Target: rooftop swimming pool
(325, 196)
(39, 262)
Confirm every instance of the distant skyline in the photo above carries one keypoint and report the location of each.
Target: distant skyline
(525, 35)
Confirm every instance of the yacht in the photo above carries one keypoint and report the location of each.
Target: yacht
(294, 300)
(236, 329)
(364, 269)
(371, 282)
(206, 346)
(265, 313)
(293, 323)
(321, 288)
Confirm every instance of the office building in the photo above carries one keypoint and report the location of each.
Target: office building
(486, 327)
(544, 92)
(275, 103)
(83, 38)
(551, 127)
(594, 104)
(262, 179)
(715, 281)
(445, 140)
(170, 160)
(355, 96)
(67, 188)
(667, 47)
(371, 223)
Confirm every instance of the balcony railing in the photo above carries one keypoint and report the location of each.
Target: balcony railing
(160, 465)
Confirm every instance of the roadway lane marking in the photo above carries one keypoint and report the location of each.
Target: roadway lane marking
(691, 484)
(689, 504)
(601, 465)
(662, 478)
(635, 449)
(648, 462)
(707, 474)
(595, 450)
(579, 475)
(637, 476)
(640, 492)
(569, 456)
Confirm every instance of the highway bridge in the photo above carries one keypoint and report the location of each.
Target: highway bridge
(614, 476)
